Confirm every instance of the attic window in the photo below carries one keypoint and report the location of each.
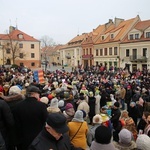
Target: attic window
(20, 36)
(147, 34)
(136, 36)
(131, 36)
(103, 37)
(112, 36)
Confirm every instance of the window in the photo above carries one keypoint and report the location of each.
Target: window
(145, 52)
(127, 52)
(112, 36)
(115, 51)
(110, 51)
(20, 45)
(147, 34)
(101, 52)
(21, 55)
(131, 36)
(8, 50)
(105, 51)
(20, 36)
(32, 55)
(90, 51)
(21, 64)
(102, 37)
(96, 52)
(32, 64)
(136, 36)
(32, 46)
(87, 51)
(57, 58)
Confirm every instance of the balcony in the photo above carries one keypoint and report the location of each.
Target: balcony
(88, 56)
(68, 56)
(138, 58)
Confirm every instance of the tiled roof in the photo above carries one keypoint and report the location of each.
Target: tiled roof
(120, 31)
(15, 36)
(142, 25)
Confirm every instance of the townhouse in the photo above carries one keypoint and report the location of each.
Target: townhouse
(135, 48)
(19, 48)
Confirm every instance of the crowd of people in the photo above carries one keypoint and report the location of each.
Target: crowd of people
(87, 108)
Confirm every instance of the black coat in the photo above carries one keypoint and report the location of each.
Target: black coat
(45, 141)
(6, 120)
(30, 116)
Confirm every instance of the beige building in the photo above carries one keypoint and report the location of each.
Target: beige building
(107, 45)
(71, 53)
(19, 48)
(135, 49)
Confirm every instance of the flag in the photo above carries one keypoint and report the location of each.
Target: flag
(39, 76)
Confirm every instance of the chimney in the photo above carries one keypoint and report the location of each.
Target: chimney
(11, 28)
(110, 22)
(118, 21)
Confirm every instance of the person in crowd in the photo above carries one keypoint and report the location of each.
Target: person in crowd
(125, 141)
(115, 115)
(133, 112)
(54, 135)
(147, 127)
(78, 130)
(143, 122)
(69, 112)
(102, 139)
(143, 142)
(122, 97)
(91, 102)
(97, 120)
(128, 96)
(6, 124)
(97, 102)
(130, 125)
(30, 116)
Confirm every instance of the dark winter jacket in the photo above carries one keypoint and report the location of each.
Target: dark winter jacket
(45, 141)
(30, 116)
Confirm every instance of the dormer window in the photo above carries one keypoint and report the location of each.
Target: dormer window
(131, 36)
(112, 36)
(136, 36)
(103, 37)
(147, 34)
(20, 36)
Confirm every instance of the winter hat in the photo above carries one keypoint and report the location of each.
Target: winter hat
(68, 106)
(104, 117)
(84, 113)
(91, 94)
(97, 119)
(143, 142)
(125, 136)
(116, 104)
(54, 103)
(14, 90)
(78, 117)
(50, 97)
(143, 90)
(44, 100)
(132, 103)
(61, 103)
(103, 135)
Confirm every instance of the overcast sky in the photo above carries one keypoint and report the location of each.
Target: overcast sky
(62, 20)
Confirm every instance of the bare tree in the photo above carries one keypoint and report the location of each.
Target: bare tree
(47, 41)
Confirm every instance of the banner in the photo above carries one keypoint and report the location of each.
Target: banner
(39, 76)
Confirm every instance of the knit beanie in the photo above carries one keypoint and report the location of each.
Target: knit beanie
(44, 100)
(54, 103)
(125, 136)
(78, 117)
(143, 142)
(61, 103)
(97, 119)
(103, 135)
(68, 106)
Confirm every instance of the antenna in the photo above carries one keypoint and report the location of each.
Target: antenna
(78, 31)
(16, 24)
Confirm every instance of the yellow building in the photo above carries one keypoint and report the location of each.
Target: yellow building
(19, 48)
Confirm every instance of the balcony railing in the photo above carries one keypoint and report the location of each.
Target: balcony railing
(88, 56)
(138, 58)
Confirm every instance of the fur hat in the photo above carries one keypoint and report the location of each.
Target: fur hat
(44, 100)
(143, 142)
(97, 119)
(125, 136)
(14, 90)
(78, 117)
